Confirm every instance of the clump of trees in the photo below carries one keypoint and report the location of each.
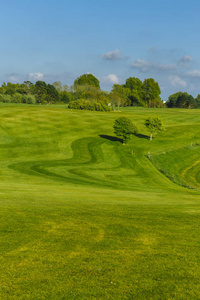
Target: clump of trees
(133, 93)
(28, 93)
(183, 100)
(88, 95)
(137, 93)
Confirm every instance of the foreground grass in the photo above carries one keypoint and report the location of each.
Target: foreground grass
(84, 217)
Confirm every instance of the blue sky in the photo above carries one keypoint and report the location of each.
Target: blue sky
(114, 40)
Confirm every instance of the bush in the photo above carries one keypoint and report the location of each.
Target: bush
(5, 98)
(88, 105)
(17, 98)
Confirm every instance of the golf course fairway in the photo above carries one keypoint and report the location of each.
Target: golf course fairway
(83, 216)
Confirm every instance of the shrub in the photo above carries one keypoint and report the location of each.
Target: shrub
(88, 105)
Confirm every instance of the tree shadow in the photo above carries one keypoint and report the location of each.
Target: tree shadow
(142, 136)
(111, 138)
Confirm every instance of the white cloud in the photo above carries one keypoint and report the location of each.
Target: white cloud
(185, 59)
(176, 80)
(113, 55)
(36, 76)
(140, 64)
(166, 67)
(193, 73)
(15, 78)
(110, 79)
(145, 66)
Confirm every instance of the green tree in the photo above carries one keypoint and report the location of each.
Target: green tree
(197, 101)
(87, 79)
(124, 128)
(45, 93)
(29, 87)
(171, 102)
(65, 96)
(58, 86)
(40, 87)
(137, 94)
(185, 101)
(182, 100)
(28, 83)
(154, 125)
(151, 91)
(134, 83)
(119, 95)
(52, 94)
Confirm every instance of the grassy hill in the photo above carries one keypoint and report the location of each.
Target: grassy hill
(84, 217)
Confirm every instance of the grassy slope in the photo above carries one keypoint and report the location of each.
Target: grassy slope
(181, 166)
(84, 217)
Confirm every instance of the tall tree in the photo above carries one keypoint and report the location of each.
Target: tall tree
(151, 91)
(136, 87)
(87, 79)
(52, 93)
(45, 93)
(120, 94)
(58, 86)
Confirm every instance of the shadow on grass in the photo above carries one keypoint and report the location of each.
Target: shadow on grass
(142, 136)
(111, 138)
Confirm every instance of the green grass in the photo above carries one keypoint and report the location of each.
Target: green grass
(182, 166)
(84, 217)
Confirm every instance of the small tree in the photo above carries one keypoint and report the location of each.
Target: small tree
(124, 128)
(154, 125)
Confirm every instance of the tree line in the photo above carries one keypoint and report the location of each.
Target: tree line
(183, 100)
(28, 93)
(85, 93)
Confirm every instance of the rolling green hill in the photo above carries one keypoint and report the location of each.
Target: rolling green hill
(84, 217)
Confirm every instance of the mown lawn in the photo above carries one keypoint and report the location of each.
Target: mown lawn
(84, 217)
